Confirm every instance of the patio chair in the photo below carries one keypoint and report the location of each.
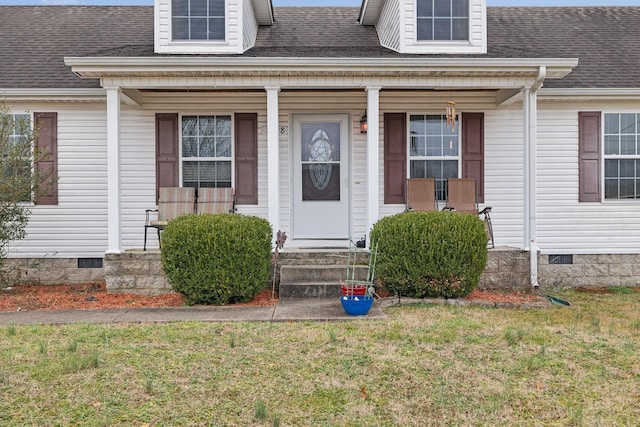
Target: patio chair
(421, 194)
(462, 197)
(173, 202)
(216, 200)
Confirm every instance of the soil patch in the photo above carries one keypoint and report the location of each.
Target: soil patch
(94, 295)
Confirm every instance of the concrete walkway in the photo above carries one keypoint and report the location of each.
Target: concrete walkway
(316, 309)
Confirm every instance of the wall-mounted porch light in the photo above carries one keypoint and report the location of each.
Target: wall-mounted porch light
(363, 123)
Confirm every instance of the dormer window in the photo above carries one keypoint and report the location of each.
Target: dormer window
(198, 20)
(442, 20)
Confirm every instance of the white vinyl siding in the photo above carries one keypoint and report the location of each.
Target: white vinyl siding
(477, 42)
(77, 226)
(388, 25)
(564, 224)
(232, 43)
(249, 25)
(143, 123)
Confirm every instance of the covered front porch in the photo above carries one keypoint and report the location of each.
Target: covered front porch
(291, 99)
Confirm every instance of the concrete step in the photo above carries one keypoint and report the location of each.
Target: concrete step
(315, 281)
(309, 290)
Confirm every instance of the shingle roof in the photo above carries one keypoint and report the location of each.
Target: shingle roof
(35, 39)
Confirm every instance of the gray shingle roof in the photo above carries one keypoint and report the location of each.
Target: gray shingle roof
(35, 39)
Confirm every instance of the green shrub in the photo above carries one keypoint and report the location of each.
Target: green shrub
(430, 254)
(217, 259)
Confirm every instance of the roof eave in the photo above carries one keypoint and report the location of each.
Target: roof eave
(96, 67)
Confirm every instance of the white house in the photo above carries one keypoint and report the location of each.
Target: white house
(238, 93)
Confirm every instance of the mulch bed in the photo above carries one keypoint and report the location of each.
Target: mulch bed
(94, 295)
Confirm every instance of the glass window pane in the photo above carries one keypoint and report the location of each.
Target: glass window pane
(460, 29)
(180, 29)
(627, 168)
(416, 125)
(198, 29)
(425, 8)
(434, 169)
(460, 8)
(450, 147)
(417, 169)
(611, 189)
(189, 147)
(442, 8)
(223, 147)
(628, 124)
(198, 8)
(189, 126)
(216, 29)
(320, 181)
(180, 7)
(627, 188)
(442, 29)
(434, 125)
(434, 146)
(611, 144)
(425, 29)
(418, 146)
(627, 144)
(611, 169)
(450, 169)
(206, 125)
(223, 126)
(611, 123)
(216, 8)
(207, 147)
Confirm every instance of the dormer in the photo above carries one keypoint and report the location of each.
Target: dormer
(209, 26)
(429, 26)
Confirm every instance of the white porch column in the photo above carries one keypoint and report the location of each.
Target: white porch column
(113, 171)
(273, 158)
(373, 156)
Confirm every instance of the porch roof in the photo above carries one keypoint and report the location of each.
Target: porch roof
(34, 40)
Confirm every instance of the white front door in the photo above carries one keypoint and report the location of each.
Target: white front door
(321, 177)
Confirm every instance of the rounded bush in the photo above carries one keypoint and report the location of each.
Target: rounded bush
(217, 259)
(430, 254)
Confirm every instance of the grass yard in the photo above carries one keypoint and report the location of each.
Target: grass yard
(425, 365)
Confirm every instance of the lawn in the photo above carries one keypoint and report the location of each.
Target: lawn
(424, 365)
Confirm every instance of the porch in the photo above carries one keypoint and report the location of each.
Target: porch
(138, 271)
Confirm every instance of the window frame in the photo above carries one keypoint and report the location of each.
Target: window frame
(440, 183)
(452, 19)
(230, 159)
(31, 122)
(224, 40)
(606, 157)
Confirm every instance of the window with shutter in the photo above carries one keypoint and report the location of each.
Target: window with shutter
(436, 151)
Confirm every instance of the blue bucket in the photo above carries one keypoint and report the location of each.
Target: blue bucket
(356, 305)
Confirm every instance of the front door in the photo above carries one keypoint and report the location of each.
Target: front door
(321, 177)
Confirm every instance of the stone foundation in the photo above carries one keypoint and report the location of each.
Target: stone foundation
(141, 272)
(50, 271)
(590, 271)
(137, 272)
(507, 269)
